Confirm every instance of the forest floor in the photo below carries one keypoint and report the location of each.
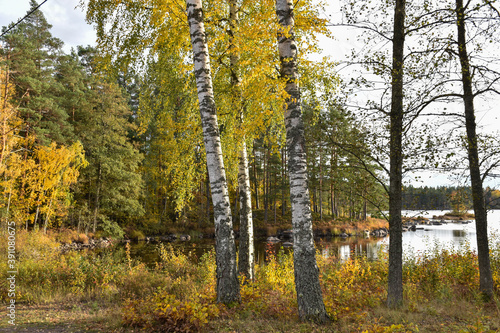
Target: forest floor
(82, 291)
(427, 317)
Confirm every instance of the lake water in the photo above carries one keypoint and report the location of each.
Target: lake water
(451, 235)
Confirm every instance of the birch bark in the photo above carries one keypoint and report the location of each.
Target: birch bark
(309, 295)
(246, 248)
(228, 289)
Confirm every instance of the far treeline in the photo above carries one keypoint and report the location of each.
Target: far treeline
(453, 198)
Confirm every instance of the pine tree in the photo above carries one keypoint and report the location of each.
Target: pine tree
(32, 54)
(111, 184)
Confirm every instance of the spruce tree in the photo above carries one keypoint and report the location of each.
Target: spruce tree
(111, 184)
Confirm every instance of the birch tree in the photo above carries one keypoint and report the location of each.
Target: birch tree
(246, 248)
(228, 290)
(309, 295)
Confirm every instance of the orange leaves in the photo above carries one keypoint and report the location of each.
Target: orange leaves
(168, 312)
(350, 287)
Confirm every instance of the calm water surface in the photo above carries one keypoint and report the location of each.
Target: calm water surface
(451, 235)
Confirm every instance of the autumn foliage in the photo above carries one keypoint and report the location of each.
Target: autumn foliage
(178, 292)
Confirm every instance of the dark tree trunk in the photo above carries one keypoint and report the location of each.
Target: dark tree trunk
(309, 295)
(255, 180)
(275, 195)
(485, 276)
(395, 278)
(283, 181)
(97, 198)
(320, 199)
(266, 185)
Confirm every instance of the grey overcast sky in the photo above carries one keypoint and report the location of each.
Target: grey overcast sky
(68, 21)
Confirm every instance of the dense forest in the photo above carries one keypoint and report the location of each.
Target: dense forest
(86, 149)
(97, 151)
(213, 116)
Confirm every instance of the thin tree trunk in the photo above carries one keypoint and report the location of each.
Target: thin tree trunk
(283, 180)
(315, 201)
(235, 205)
(228, 288)
(5, 98)
(330, 200)
(79, 221)
(365, 201)
(7, 211)
(97, 198)
(36, 216)
(255, 179)
(246, 248)
(199, 196)
(351, 205)
(483, 253)
(266, 182)
(333, 164)
(274, 196)
(309, 295)
(246, 251)
(320, 199)
(46, 224)
(395, 277)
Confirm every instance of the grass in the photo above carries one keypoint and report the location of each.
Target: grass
(110, 292)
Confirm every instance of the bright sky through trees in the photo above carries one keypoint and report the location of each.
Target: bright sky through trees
(69, 25)
(68, 22)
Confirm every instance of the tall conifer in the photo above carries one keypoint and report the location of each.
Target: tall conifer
(33, 53)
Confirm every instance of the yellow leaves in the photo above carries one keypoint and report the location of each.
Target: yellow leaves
(33, 177)
(172, 313)
(48, 175)
(10, 123)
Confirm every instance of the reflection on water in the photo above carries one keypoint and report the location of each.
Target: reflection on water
(450, 235)
(459, 233)
(351, 248)
(414, 242)
(341, 249)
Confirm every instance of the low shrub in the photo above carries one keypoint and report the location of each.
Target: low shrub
(178, 294)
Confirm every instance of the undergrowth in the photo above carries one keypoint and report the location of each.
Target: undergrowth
(178, 294)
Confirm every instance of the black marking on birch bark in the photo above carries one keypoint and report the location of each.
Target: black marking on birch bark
(226, 271)
(309, 297)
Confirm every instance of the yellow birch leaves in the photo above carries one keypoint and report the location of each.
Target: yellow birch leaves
(34, 180)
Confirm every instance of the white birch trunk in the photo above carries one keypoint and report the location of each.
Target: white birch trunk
(246, 248)
(246, 251)
(228, 290)
(309, 295)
